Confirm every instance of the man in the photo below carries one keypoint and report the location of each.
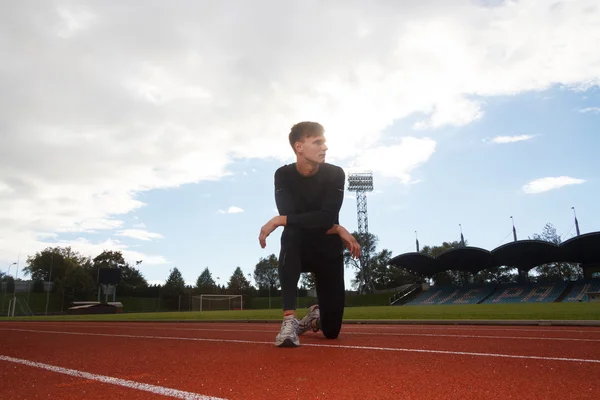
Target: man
(309, 194)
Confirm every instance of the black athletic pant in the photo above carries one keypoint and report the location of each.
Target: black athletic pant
(322, 255)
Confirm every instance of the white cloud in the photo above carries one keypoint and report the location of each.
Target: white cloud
(140, 234)
(90, 225)
(4, 188)
(88, 248)
(73, 21)
(550, 183)
(457, 111)
(593, 110)
(511, 139)
(98, 105)
(231, 210)
(395, 161)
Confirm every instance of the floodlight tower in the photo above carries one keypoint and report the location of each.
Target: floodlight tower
(360, 183)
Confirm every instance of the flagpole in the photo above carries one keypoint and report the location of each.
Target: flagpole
(576, 222)
(417, 241)
(514, 230)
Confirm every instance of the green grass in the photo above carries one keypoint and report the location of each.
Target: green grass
(533, 311)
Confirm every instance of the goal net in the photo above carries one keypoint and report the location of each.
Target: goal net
(211, 302)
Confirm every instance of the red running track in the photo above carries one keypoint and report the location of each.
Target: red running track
(238, 361)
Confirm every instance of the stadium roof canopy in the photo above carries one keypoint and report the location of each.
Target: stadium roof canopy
(418, 263)
(522, 254)
(471, 259)
(526, 254)
(583, 249)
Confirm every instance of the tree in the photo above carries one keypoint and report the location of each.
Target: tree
(434, 251)
(364, 274)
(386, 276)
(109, 259)
(59, 259)
(131, 278)
(495, 275)
(266, 273)
(205, 282)
(555, 270)
(238, 284)
(307, 280)
(175, 283)
(71, 272)
(78, 283)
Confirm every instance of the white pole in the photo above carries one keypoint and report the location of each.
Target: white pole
(15, 287)
(49, 280)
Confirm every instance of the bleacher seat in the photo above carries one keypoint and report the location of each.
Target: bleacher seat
(452, 295)
(527, 293)
(502, 294)
(580, 288)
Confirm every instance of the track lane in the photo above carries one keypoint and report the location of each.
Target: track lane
(27, 382)
(574, 332)
(467, 343)
(261, 371)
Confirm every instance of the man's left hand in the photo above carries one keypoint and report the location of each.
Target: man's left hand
(350, 241)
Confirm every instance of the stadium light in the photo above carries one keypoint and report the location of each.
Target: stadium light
(360, 182)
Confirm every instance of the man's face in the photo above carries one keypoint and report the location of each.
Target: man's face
(313, 149)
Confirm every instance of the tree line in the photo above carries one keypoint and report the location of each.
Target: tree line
(378, 274)
(75, 275)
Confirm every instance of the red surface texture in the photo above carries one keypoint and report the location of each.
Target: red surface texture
(239, 361)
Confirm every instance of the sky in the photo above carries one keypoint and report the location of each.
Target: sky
(156, 129)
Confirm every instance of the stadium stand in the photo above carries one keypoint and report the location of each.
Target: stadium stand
(580, 288)
(527, 293)
(508, 293)
(452, 295)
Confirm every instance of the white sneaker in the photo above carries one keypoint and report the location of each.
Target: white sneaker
(288, 336)
(305, 324)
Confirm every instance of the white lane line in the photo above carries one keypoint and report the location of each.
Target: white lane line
(591, 329)
(582, 360)
(179, 394)
(345, 332)
(475, 336)
(357, 327)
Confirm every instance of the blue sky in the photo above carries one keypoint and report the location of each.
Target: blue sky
(116, 135)
(470, 180)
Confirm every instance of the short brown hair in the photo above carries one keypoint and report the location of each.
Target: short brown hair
(303, 130)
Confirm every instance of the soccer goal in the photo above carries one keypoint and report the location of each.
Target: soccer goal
(212, 302)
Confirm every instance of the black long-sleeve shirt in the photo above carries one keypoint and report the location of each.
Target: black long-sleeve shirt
(310, 202)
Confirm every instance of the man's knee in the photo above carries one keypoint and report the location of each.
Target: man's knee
(331, 333)
(330, 322)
